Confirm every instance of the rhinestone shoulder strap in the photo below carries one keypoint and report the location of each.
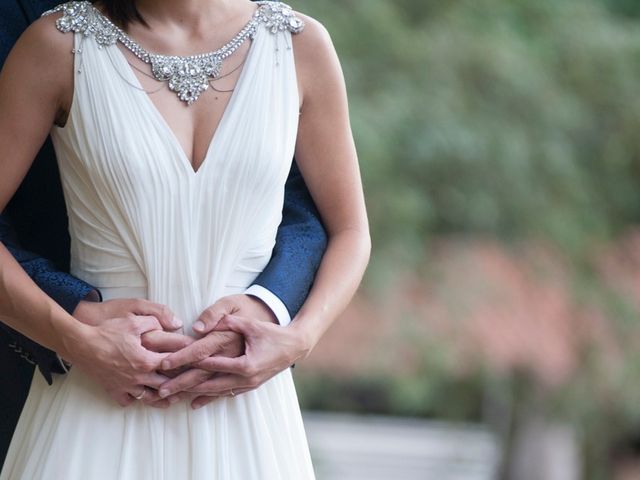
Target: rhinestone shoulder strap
(188, 76)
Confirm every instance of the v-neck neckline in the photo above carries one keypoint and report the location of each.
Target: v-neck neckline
(165, 125)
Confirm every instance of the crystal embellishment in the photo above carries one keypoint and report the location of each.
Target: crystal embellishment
(187, 76)
(278, 16)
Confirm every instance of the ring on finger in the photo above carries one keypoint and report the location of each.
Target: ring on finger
(141, 396)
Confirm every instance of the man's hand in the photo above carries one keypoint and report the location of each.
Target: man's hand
(269, 349)
(227, 344)
(245, 305)
(216, 342)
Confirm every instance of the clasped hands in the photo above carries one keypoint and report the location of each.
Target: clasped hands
(137, 350)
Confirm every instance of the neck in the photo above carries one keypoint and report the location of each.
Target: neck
(189, 13)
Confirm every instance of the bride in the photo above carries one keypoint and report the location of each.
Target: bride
(173, 158)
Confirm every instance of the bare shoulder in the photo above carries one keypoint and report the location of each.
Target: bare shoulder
(313, 35)
(317, 62)
(314, 42)
(43, 41)
(42, 61)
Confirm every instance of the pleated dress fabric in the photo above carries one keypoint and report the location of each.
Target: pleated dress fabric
(144, 224)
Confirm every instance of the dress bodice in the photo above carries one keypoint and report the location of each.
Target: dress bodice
(139, 215)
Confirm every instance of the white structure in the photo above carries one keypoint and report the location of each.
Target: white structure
(349, 447)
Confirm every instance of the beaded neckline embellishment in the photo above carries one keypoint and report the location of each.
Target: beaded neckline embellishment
(187, 76)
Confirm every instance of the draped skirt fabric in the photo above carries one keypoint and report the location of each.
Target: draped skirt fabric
(72, 430)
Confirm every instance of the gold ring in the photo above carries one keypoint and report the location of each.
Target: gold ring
(139, 397)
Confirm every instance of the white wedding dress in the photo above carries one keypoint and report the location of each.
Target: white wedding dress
(144, 224)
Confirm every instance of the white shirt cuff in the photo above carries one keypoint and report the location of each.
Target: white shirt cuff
(273, 302)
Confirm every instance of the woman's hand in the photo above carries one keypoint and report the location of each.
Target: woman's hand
(94, 313)
(215, 342)
(269, 349)
(112, 354)
(186, 376)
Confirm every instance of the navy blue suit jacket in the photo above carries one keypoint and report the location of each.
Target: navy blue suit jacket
(34, 229)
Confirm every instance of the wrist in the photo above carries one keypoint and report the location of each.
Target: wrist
(73, 339)
(92, 296)
(85, 308)
(306, 338)
(266, 313)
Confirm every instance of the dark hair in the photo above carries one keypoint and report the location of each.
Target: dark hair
(121, 12)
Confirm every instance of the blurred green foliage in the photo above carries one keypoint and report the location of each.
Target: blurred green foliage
(509, 117)
(515, 119)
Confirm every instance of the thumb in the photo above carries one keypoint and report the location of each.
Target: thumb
(165, 316)
(237, 324)
(141, 324)
(211, 317)
(161, 341)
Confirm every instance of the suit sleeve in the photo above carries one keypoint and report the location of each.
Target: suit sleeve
(300, 244)
(64, 288)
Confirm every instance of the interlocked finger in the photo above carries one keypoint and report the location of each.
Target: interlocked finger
(144, 323)
(141, 395)
(161, 312)
(203, 400)
(197, 351)
(152, 380)
(161, 341)
(152, 399)
(184, 382)
(223, 384)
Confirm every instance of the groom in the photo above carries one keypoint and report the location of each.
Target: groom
(33, 227)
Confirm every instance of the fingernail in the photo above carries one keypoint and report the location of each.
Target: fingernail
(166, 365)
(198, 326)
(176, 322)
(173, 400)
(196, 406)
(163, 392)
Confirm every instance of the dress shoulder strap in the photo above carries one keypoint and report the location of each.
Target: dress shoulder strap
(188, 76)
